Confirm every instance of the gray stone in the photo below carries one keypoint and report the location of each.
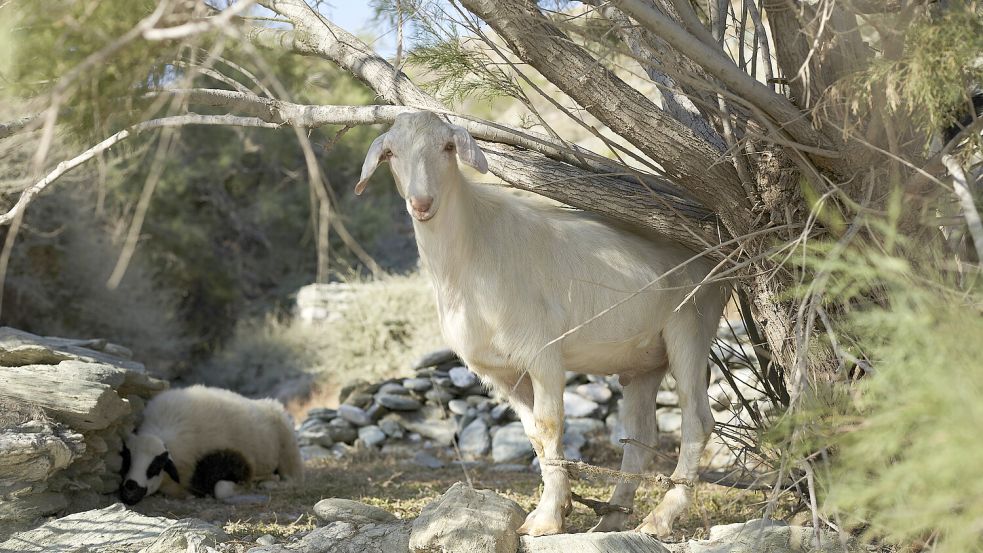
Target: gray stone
(500, 411)
(342, 434)
(371, 435)
(322, 413)
(474, 441)
(458, 406)
(438, 395)
(670, 419)
(424, 459)
(311, 452)
(337, 509)
(340, 450)
(622, 542)
(376, 412)
(393, 388)
(398, 402)
(345, 537)
(114, 528)
(354, 415)
(466, 520)
(434, 358)
(595, 391)
(462, 377)
(391, 427)
(418, 384)
(766, 536)
(266, 539)
(582, 425)
(575, 405)
(188, 536)
(510, 444)
(430, 423)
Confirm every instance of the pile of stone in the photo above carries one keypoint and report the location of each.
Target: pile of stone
(65, 406)
(443, 407)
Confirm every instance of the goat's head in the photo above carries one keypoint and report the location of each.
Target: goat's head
(145, 461)
(422, 151)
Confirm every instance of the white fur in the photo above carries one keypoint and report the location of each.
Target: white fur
(511, 274)
(192, 422)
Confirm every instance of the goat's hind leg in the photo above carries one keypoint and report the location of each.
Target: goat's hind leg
(687, 352)
(639, 422)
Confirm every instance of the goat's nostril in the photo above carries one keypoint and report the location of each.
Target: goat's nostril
(421, 204)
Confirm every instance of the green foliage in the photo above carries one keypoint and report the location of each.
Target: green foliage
(929, 80)
(904, 439)
(458, 72)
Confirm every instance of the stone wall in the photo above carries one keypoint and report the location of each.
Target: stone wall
(65, 407)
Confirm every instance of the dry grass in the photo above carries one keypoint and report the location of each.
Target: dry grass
(403, 489)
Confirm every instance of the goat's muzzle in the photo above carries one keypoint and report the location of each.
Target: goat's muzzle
(420, 207)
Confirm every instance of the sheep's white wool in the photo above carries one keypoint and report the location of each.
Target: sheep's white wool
(202, 422)
(513, 274)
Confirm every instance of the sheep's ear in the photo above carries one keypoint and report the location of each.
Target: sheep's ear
(171, 470)
(468, 150)
(372, 159)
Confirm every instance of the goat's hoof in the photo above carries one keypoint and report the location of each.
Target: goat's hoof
(537, 524)
(611, 522)
(656, 526)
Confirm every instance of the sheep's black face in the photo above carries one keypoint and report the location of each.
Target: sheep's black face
(145, 462)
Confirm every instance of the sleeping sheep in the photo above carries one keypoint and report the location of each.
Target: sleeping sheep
(203, 440)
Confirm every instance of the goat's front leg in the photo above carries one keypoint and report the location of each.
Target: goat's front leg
(545, 430)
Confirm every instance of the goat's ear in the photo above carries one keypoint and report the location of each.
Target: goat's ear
(468, 150)
(372, 159)
(171, 470)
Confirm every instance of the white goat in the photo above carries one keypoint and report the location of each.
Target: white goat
(511, 274)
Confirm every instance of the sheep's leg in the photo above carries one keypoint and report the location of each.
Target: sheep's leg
(546, 434)
(638, 419)
(687, 343)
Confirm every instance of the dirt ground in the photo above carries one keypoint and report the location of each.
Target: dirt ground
(404, 488)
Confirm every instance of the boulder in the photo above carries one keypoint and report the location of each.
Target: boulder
(345, 537)
(474, 441)
(595, 391)
(575, 405)
(510, 444)
(767, 536)
(622, 542)
(353, 414)
(336, 509)
(429, 422)
(467, 520)
(112, 529)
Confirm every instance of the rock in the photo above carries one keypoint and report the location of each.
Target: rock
(345, 537)
(418, 384)
(371, 435)
(577, 406)
(667, 398)
(622, 542)
(765, 536)
(188, 536)
(266, 539)
(322, 413)
(341, 450)
(424, 459)
(466, 520)
(311, 452)
(458, 406)
(393, 388)
(398, 402)
(391, 427)
(354, 415)
(428, 422)
(584, 426)
(114, 528)
(510, 444)
(670, 419)
(438, 395)
(337, 509)
(462, 377)
(434, 358)
(376, 412)
(596, 391)
(500, 411)
(342, 434)
(474, 441)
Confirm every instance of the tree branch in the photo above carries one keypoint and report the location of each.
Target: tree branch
(32, 191)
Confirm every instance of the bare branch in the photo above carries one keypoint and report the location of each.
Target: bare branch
(65, 166)
(201, 26)
(13, 127)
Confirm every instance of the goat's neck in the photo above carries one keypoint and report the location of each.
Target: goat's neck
(447, 241)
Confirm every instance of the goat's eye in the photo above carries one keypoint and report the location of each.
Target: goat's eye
(449, 147)
(388, 154)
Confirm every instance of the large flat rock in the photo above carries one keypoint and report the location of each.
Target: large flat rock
(113, 529)
(600, 542)
(465, 520)
(345, 537)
